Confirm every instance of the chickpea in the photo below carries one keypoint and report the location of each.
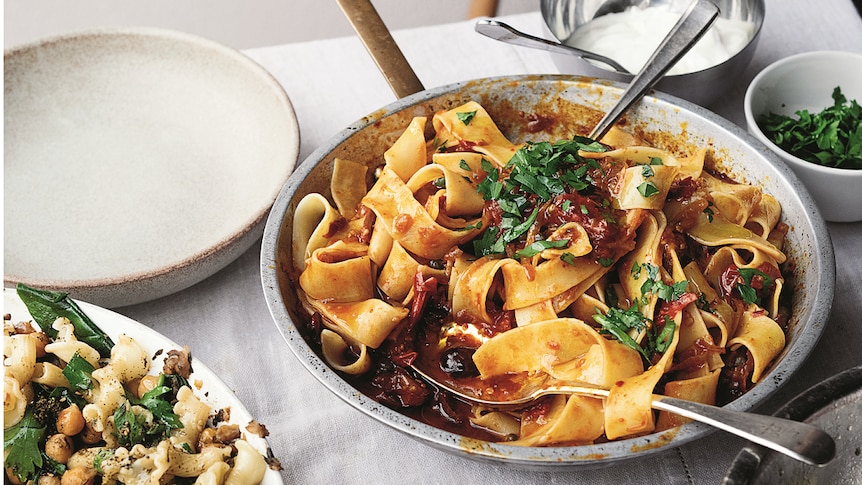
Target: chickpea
(146, 384)
(59, 447)
(11, 478)
(89, 435)
(48, 480)
(70, 421)
(78, 476)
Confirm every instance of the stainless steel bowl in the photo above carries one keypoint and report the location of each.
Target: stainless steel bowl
(811, 266)
(563, 17)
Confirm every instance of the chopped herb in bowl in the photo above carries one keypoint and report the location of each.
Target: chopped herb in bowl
(832, 137)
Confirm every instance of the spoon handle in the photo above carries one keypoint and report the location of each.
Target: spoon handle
(696, 20)
(801, 441)
(506, 33)
(382, 47)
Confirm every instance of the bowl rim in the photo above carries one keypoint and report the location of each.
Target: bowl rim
(560, 457)
(750, 117)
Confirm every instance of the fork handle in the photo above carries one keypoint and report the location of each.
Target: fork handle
(802, 441)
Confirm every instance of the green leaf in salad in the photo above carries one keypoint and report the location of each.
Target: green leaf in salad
(79, 373)
(21, 442)
(46, 306)
(831, 137)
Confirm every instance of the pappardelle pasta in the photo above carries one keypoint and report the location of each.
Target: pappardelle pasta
(489, 264)
(81, 409)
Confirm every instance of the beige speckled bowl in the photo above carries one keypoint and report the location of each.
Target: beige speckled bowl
(137, 161)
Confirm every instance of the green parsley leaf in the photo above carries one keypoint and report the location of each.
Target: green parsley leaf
(746, 289)
(568, 258)
(647, 171)
(470, 227)
(619, 322)
(21, 441)
(655, 161)
(606, 262)
(748, 294)
(662, 341)
(466, 117)
(710, 214)
(539, 246)
(647, 189)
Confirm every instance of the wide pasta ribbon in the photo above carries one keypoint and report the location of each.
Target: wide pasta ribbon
(761, 335)
(565, 348)
(368, 322)
(714, 230)
(470, 123)
(339, 273)
(408, 222)
(628, 408)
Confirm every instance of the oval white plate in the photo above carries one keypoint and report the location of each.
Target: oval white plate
(213, 391)
(137, 161)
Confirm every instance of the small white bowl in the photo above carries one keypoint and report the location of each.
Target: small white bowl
(806, 81)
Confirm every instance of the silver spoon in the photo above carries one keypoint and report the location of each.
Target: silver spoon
(800, 441)
(695, 21)
(508, 34)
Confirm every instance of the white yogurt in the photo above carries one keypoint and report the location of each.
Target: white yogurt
(630, 37)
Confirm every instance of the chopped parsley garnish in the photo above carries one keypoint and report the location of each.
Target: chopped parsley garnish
(537, 173)
(647, 171)
(654, 284)
(647, 189)
(746, 289)
(466, 117)
(619, 323)
(832, 137)
(710, 214)
(539, 246)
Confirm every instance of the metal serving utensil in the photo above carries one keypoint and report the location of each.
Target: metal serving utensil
(800, 441)
(506, 33)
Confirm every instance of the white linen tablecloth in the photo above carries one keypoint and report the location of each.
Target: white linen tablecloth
(321, 439)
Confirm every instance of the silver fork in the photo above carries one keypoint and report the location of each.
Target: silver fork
(801, 441)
